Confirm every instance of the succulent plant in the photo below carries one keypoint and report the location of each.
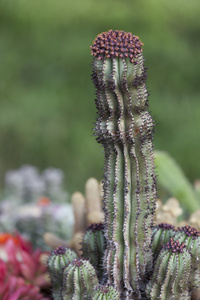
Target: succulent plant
(93, 247)
(13, 288)
(161, 234)
(32, 200)
(140, 262)
(171, 275)
(57, 261)
(125, 130)
(191, 238)
(27, 185)
(22, 273)
(79, 280)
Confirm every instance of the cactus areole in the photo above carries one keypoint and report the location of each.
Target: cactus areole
(125, 129)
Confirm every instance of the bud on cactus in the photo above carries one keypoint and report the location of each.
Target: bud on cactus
(105, 293)
(171, 276)
(57, 261)
(93, 247)
(125, 130)
(191, 238)
(79, 280)
(161, 235)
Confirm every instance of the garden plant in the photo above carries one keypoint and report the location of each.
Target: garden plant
(126, 257)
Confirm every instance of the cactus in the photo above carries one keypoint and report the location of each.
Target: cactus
(105, 293)
(171, 276)
(93, 247)
(161, 234)
(191, 238)
(57, 261)
(139, 262)
(125, 129)
(80, 279)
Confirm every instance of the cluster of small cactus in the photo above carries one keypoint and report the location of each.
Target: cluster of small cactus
(127, 257)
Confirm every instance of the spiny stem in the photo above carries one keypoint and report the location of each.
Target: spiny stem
(125, 129)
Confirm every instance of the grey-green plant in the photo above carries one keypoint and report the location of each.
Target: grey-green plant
(140, 261)
(35, 203)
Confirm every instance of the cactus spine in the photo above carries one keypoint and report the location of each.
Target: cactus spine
(125, 130)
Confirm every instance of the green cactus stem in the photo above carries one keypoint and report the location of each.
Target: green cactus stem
(57, 261)
(125, 129)
(161, 235)
(105, 293)
(171, 276)
(191, 238)
(79, 280)
(93, 247)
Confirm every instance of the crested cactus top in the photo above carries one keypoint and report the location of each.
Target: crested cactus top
(103, 288)
(165, 226)
(189, 231)
(77, 262)
(105, 292)
(95, 227)
(116, 43)
(59, 251)
(174, 246)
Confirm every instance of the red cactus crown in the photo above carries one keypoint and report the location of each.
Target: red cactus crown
(115, 43)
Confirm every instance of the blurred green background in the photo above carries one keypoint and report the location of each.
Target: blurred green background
(47, 105)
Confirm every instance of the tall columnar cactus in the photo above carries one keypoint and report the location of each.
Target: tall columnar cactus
(125, 129)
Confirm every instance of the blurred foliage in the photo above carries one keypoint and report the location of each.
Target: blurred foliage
(46, 95)
(172, 180)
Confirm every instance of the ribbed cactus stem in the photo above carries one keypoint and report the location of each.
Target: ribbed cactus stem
(191, 238)
(171, 276)
(105, 293)
(161, 235)
(125, 129)
(79, 280)
(93, 247)
(57, 261)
